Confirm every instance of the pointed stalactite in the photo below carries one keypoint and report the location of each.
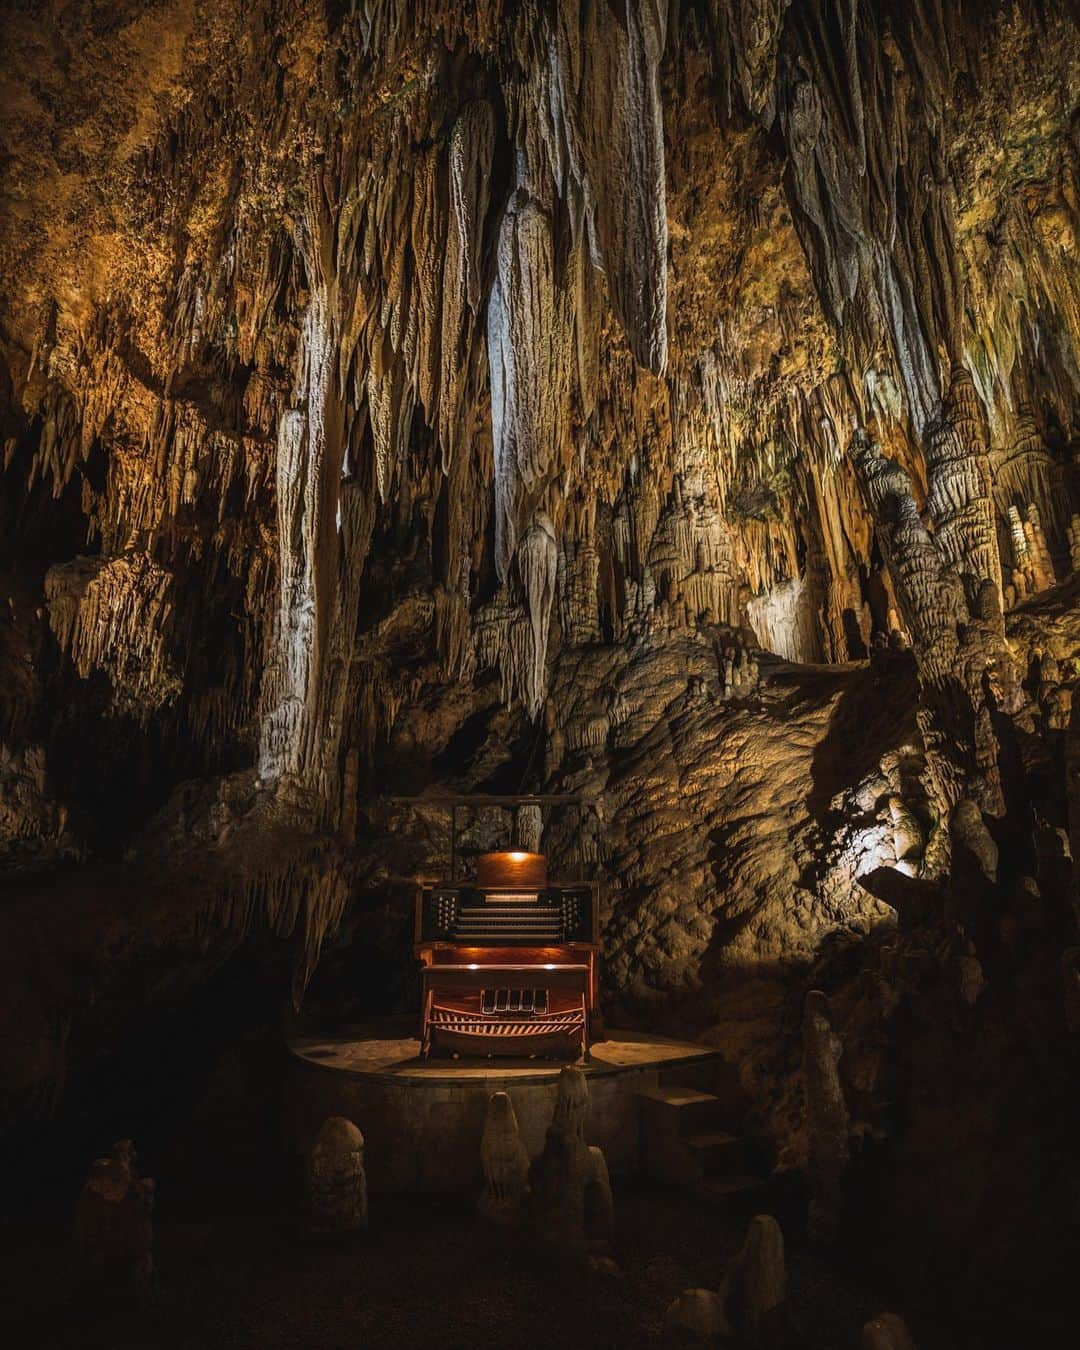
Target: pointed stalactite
(537, 561)
(610, 99)
(529, 358)
(472, 144)
(309, 452)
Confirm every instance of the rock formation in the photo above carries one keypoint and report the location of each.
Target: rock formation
(570, 1191)
(887, 1332)
(754, 1289)
(337, 1202)
(697, 1314)
(506, 1163)
(115, 1221)
(676, 406)
(752, 1301)
(826, 1117)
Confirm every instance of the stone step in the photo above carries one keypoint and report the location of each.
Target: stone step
(720, 1154)
(670, 1115)
(685, 1109)
(712, 1073)
(719, 1079)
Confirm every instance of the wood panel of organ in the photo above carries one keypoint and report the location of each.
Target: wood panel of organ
(508, 963)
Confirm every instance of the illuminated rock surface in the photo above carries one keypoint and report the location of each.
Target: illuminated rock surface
(677, 405)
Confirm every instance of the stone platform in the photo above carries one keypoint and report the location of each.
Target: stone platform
(422, 1119)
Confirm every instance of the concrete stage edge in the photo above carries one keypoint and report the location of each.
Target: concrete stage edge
(422, 1120)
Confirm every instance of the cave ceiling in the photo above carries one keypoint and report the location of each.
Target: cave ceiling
(371, 369)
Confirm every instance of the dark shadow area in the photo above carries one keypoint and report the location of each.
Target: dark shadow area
(237, 1274)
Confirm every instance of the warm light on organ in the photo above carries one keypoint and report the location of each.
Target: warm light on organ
(508, 964)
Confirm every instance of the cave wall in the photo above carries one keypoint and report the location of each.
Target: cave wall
(398, 396)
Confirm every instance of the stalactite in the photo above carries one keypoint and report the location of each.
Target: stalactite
(528, 351)
(537, 560)
(113, 615)
(306, 899)
(611, 99)
(471, 147)
(421, 273)
(309, 450)
(1028, 474)
(1074, 543)
(960, 499)
(755, 36)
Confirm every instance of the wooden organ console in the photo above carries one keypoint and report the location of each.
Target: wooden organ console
(508, 964)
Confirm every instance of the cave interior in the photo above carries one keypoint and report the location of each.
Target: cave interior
(555, 520)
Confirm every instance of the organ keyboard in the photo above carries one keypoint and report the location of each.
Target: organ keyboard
(507, 967)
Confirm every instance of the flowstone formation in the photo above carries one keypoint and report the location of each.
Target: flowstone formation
(676, 406)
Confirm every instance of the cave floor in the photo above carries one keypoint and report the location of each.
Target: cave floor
(428, 1272)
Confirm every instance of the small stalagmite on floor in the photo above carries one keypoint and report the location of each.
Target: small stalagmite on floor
(337, 1201)
(697, 1314)
(115, 1220)
(752, 1298)
(826, 1117)
(571, 1193)
(754, 1291)
(505, 1161)
(886, 1332)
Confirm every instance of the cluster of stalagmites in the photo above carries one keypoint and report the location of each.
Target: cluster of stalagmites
(752, 1300)
(564, 1193)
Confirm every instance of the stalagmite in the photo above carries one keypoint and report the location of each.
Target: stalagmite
(697, 1313)
(529, 828)
(337, 1202)
(537, 560)
(754, 1290)
(886, 1332)
(958, 636)
(505, 1161)
(571, 1194)
(115, 1220)
(1027, 474)
(960, 499)
(1074, 543)
(826, 1118)
(930, 593)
